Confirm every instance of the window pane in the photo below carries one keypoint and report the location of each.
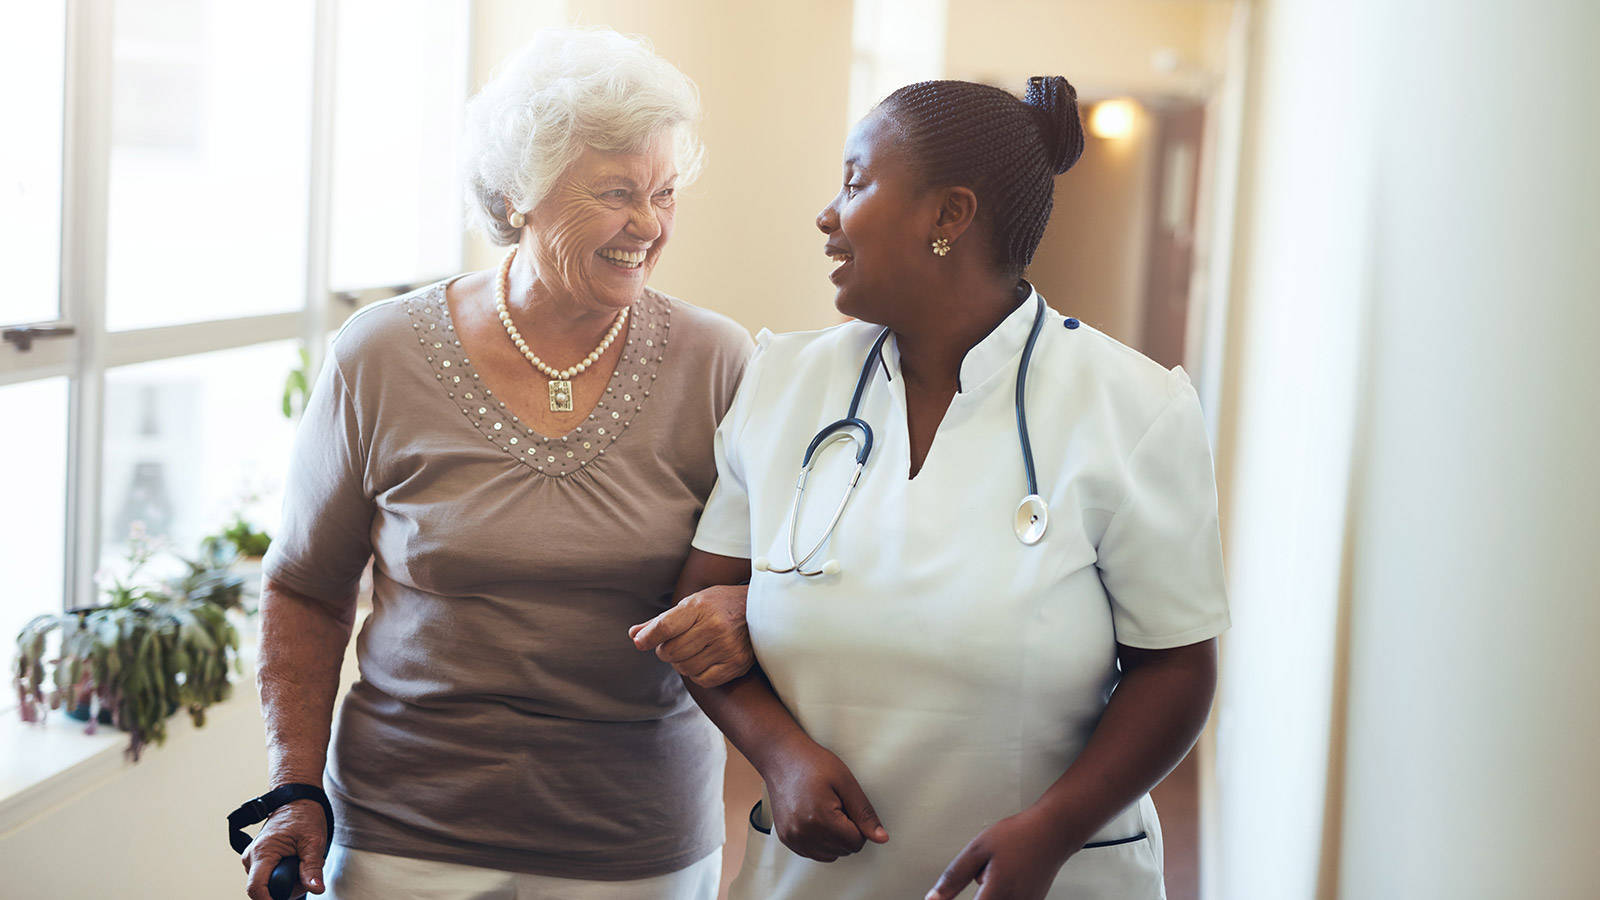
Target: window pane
(396, 201)
(33, 529)
(211, 113)
(191, 441)
(896, 42)
(32, 72)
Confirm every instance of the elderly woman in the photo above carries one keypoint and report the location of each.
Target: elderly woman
(522, 454)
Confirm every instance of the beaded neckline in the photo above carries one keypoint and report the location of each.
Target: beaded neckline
(630, 385)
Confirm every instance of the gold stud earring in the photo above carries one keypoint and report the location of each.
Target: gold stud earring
(517, 219)
(941, 246)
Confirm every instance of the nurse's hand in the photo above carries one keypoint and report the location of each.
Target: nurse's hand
(703, 637)
(818, 809)
(1010, 860)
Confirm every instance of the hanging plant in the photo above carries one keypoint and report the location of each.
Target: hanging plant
(151, 650)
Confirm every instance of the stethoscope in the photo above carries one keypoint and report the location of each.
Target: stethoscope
(1032, 515)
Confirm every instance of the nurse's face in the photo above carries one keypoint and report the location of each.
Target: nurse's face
(879, 227)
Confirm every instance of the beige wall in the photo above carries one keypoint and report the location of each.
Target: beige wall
(1092, 261)
(774, 82)
(1104, 47)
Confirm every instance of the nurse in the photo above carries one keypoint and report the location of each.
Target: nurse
(940, 703)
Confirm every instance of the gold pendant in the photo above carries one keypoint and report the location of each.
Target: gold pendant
(561, 396)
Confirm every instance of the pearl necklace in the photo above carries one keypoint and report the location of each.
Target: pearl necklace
(560, 379)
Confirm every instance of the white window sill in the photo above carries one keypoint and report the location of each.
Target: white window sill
(44, 765)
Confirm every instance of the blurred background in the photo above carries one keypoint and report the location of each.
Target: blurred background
(1369, 230)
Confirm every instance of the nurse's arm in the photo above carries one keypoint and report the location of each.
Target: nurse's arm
(1153, 719)
(819, 810)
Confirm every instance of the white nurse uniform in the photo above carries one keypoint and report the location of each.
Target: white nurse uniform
(956, 671)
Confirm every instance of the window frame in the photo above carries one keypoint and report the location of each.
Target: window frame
(86, 350)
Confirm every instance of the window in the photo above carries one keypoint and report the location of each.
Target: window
(403, 71)
(191, 441)
(197, 179)
(33, 529)
(210, 137)
(896, 42)
(33, 53)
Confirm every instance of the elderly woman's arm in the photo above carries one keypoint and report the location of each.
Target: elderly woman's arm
(703, 636)
(303, 642)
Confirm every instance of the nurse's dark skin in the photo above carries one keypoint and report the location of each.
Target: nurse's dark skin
(938, 308)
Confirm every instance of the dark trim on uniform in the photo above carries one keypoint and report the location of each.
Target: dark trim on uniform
(756, 824)
(1127, 840)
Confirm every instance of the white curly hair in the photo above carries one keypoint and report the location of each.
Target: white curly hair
(568, 89)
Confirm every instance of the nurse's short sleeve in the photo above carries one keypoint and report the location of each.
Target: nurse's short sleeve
(1161, 555)
(724, 527)
(325, 538)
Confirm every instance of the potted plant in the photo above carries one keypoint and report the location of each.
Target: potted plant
(228, 571)
(245, 539)
(297, 386)
(134, 661)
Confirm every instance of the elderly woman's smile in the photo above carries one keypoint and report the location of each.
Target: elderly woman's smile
(622, 258)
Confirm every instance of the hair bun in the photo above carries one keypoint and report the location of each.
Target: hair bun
(1057, 102)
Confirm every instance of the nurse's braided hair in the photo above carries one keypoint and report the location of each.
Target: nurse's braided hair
(1007, 151)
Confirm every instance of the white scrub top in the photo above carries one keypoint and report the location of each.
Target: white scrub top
(956, 671)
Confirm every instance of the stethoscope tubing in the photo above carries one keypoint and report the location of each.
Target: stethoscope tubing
(1022, 405)
(841, 430)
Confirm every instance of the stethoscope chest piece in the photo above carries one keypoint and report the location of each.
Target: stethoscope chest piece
(1032, 518)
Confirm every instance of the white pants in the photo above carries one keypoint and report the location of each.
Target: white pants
(364, 875)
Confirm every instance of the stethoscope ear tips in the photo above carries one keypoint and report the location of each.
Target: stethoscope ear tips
(831, 567)
(761, 564)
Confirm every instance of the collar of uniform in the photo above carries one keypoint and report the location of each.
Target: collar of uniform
(1000, 346)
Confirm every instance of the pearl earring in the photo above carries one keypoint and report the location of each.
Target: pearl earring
(941, 246)
(517, 219)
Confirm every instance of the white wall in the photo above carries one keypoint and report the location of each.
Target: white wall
(1411, 329)
(1287, 414)
(155, 828)
(1475, 684)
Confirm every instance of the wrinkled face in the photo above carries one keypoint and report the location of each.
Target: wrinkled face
(599, 232)
(879, 226)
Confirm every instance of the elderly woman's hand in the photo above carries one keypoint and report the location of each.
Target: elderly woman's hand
(295, 829)
(704, 637)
